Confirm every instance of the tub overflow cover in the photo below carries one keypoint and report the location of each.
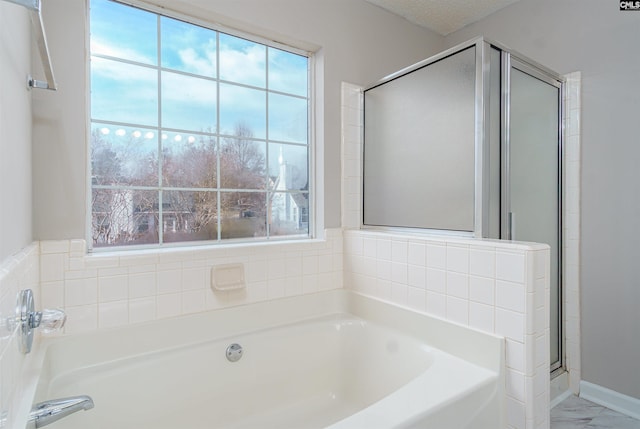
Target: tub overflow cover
(234, 352)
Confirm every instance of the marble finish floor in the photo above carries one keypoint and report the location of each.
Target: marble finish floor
(577, 413)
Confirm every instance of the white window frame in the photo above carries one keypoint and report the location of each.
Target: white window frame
(314, 145)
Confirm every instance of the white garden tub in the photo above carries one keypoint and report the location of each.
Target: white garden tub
(328, 360)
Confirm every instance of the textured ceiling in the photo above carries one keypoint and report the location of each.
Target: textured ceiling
(442, 16)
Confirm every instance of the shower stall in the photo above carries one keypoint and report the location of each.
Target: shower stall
(469, 143)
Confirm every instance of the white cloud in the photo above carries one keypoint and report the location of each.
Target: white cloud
(117, 51)
(198, 64)
(247, 66)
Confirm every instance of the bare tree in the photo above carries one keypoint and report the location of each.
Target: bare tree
(243, 166)
(122, 215)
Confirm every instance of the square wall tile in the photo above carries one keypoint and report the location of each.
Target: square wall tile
(417, 276)
(193, 301)
(436, 280)
(52, 267)
(142, 310)
(515, 382)
(399, 293)
(383, 249)
(515, 413)
(111, 314)
(510, 296)
(510, 266)
(256, 270)
(510, 324)
(52, 295)
(83, 318)
(399, 251)
(399, 272)
(436, 256)
(80, 291)
(113, 288)
(515, 355)
(482, 289)
(458, 258)
(481, 316)
(142, 285)
(482, 262)
(168, 305)
(458, 285)
(437, 304)
(194, 278)
(169, 281)
(417, 254)
(417, 299)
(54, 246)
(457, 310)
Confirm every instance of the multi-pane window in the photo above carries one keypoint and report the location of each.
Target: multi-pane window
(195, 134)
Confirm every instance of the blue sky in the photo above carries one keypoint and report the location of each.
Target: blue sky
(124, 92)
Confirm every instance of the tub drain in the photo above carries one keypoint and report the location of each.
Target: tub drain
(234, 352)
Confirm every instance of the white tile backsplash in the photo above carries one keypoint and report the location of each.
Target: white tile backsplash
(108, 289)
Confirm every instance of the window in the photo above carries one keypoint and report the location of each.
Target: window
(196, 135)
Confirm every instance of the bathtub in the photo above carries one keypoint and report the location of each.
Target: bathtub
(334, 360)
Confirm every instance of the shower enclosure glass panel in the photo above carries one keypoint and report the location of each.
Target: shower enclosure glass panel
(419, 157)
(534, 175)
(470, 142)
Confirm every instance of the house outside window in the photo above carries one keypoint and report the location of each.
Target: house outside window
(195, 134)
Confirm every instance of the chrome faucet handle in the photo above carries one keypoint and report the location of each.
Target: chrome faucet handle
(51, 320)
(28, 319)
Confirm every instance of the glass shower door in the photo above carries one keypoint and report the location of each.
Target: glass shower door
(534, 176)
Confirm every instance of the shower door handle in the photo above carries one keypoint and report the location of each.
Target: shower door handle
(512, 226)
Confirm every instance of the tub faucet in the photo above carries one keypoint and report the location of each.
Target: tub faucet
(47, 412)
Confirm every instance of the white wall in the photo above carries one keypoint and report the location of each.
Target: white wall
(59, 128)
(359, 43)
(594, 37)
(15, 130)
